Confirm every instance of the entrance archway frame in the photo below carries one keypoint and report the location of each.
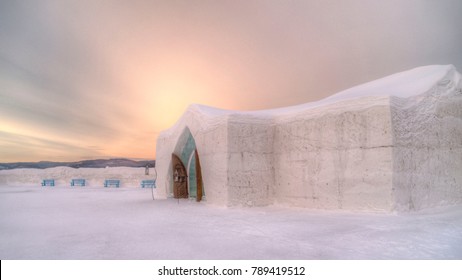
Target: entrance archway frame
(187, 152)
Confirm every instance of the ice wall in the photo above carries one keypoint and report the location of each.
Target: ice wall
(336, 157)
(427, 152)
(250, 160)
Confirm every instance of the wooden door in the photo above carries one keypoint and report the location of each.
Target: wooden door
(180, 178)
(198, 177)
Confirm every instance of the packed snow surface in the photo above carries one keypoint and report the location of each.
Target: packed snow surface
(99, 223)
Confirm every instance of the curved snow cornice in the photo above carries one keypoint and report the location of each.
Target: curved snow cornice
(403, 84)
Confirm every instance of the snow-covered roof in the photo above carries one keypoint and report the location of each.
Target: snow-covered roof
(403, 84)
(411, 83)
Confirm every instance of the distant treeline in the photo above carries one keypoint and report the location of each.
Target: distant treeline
(95, 163)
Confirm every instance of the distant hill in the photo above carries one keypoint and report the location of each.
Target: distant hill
(95, 163)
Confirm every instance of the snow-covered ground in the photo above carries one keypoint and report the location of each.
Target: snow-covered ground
(100, 223)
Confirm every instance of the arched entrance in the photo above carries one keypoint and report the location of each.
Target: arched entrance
(180, 182)
(186, 175)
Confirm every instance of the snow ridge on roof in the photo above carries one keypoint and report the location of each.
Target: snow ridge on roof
(403, 84)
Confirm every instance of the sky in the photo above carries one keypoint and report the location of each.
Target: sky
(84, 79)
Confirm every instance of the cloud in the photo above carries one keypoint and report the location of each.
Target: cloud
(16, 147)
(110, 73)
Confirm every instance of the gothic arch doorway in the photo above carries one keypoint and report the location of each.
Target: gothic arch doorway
(186, 173)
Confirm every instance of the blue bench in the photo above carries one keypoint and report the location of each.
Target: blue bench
(48, 182)
(148, 183)
(112, 182)
(78, 182)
